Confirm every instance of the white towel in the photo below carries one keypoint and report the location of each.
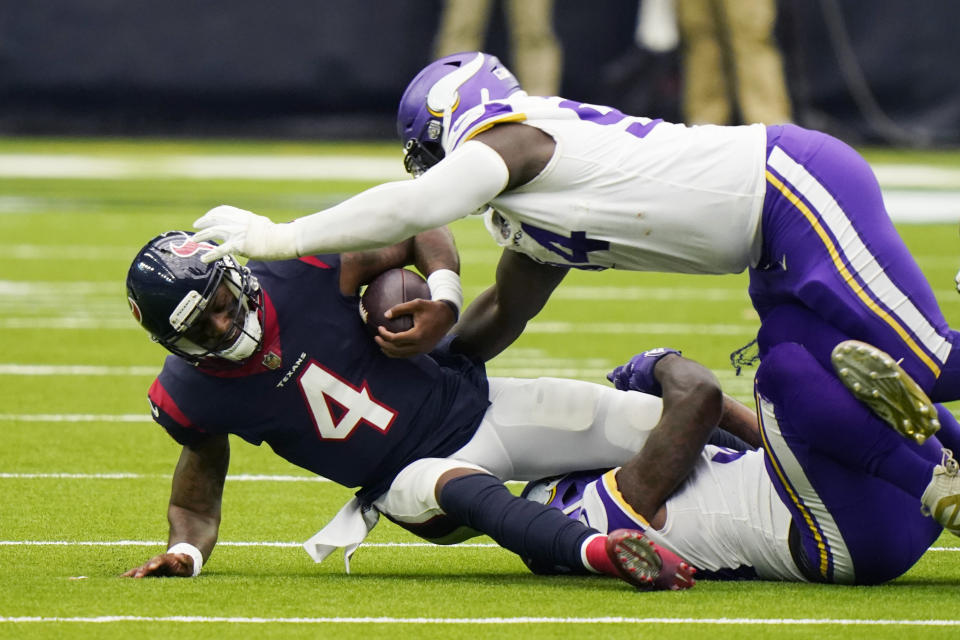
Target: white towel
(347, 529)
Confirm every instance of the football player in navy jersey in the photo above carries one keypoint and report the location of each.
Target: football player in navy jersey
(562, 184)
(276, 352)
(834, 494)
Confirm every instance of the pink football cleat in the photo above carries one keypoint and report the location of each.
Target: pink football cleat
(646, 565)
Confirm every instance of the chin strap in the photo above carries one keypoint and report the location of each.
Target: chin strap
(247, 342)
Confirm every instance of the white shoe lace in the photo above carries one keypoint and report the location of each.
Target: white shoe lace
(948, 462)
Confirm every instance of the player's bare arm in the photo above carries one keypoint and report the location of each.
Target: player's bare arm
(692, 406)
(740, 420)
(499, 315)
(194, 510)
(432, 252)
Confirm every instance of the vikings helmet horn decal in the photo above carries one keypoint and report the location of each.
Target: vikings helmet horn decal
(442, 91)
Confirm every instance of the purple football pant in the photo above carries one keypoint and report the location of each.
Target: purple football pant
(829, 245)
(851, 482)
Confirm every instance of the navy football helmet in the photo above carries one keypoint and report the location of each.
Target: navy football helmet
(445, 88)
(169, 287)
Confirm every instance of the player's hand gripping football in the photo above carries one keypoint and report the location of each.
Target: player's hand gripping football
(243, 233)
(177, 565)
(432, 319)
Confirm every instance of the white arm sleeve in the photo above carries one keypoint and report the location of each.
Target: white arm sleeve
(458, 185)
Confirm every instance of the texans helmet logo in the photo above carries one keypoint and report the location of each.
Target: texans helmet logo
(135, 310)
(189, 248)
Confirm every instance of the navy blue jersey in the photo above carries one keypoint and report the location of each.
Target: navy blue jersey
(320, 392)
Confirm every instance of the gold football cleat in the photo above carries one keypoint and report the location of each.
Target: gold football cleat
(879, 382)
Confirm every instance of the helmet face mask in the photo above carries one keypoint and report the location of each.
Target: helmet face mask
(170, 289)
(239, 340)
(419, 156)
(444, 89)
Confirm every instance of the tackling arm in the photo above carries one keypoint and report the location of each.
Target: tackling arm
(460, 184)
(194, 510)
(499, 315)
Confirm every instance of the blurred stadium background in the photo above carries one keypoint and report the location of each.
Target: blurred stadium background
(870, 71)
(123, 118)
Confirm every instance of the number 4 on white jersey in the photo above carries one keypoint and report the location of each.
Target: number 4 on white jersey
(319, 386)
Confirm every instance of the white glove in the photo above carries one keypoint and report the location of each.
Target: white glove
(245, 233)
(957, 280)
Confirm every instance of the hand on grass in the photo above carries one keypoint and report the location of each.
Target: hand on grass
(178, 565)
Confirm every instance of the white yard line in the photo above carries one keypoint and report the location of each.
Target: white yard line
(506, 369)
(70, 323)
(641, 328)
(922, 206)
(10, 369)
(621, 328)
(901, 183)
(894, 175)
(240, 477)
(520, 620)
(82, 290)
(157, 543)
(624, 328)
(320, 166)
(374, 545)
(120, 475)
(265, 167)
(74, 417)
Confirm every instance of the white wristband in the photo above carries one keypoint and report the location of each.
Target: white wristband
(190, 550)
(445, 285)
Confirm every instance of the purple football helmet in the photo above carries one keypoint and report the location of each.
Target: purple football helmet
(442, 90)
(562, 492)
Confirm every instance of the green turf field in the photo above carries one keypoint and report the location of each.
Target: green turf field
(84, 474)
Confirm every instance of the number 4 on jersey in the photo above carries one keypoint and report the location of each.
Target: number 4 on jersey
(327, 395)
(573, 248)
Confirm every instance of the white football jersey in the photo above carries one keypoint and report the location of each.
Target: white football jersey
(727, 515)
(627, 192)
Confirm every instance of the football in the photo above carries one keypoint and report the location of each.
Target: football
(387, 290)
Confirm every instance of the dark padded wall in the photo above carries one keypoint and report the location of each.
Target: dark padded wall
(870, 70)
